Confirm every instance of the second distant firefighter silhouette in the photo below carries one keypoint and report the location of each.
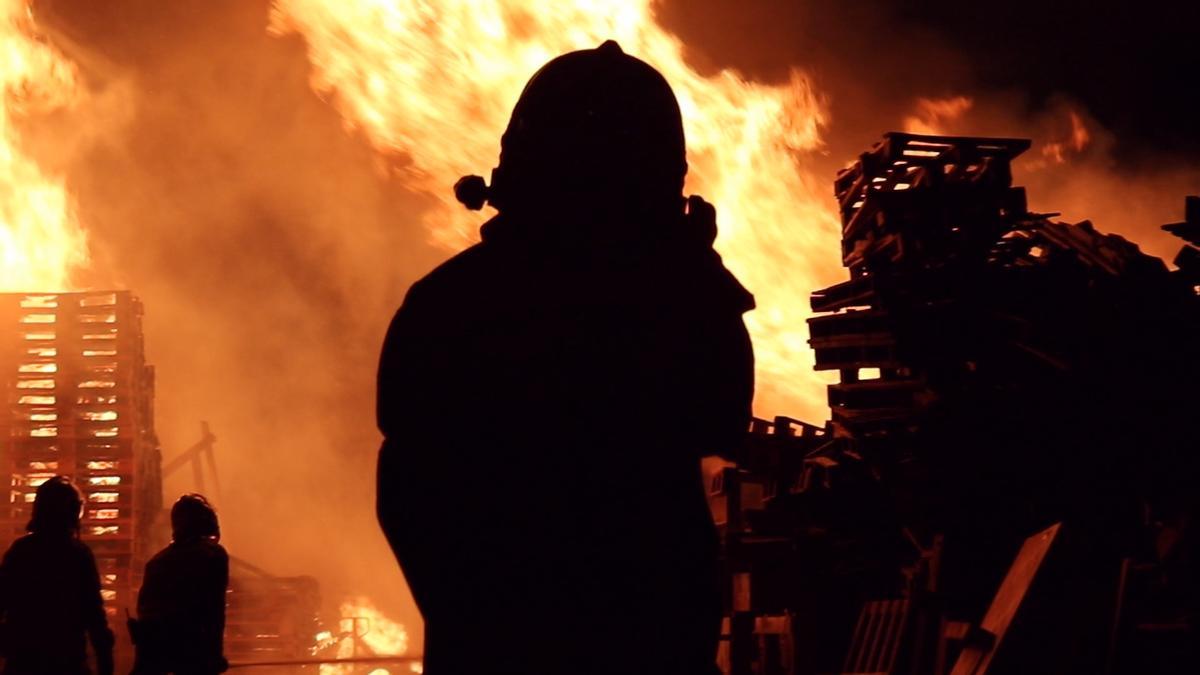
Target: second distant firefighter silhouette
(181, 606)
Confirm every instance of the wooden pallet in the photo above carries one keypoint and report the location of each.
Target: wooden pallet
(78, 401)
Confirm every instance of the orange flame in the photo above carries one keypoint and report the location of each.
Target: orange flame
(935, 115)
(41, 242)
(380, 635)
(1076, 141)
(433, 83)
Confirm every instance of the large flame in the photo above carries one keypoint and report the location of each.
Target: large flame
(431, 83)
(40, 240)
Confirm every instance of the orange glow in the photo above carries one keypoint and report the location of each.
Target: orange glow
(431, 84)
(1075, 142)
(934, 115)
(40, 240)
(1079, 133)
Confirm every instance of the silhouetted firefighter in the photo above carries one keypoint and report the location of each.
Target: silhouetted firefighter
(181, 607)
(547, 394)
(50, 592)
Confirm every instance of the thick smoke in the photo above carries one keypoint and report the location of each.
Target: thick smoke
(270, 246)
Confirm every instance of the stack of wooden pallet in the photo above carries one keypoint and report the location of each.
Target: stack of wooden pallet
(79, 398)
(271, 618)
(915, 210)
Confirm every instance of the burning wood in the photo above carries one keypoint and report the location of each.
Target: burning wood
(81, 405)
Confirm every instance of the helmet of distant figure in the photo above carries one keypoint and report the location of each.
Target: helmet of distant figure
(193, 517)
(57, 506)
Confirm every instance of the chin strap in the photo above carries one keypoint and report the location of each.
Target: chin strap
(473, 192)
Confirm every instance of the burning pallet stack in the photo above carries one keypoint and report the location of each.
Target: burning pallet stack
(80, 403)
(918, 212)
(982, 350)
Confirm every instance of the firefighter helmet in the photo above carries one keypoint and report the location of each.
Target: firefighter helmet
(595, 123)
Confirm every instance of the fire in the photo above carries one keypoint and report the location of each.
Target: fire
(1062, 134)
(431, 84)
(933, 115)
(381, 635)
(1075, 141)
(40, 240)
(366, 631)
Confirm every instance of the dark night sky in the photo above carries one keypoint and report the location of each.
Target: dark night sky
(1133, 65)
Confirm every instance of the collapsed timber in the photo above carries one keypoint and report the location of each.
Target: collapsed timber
(1007, 478)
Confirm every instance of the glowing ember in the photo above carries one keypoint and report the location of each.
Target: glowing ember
(432, 84)
(40, 240)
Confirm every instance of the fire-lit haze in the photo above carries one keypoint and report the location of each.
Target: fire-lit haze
(41, 243)
(435, 81)
(269, 176)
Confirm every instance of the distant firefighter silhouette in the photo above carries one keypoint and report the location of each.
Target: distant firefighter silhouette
(181, 607)
(50, 592)
(547, 394)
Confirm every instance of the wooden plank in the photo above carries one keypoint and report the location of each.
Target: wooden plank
(975, 659)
